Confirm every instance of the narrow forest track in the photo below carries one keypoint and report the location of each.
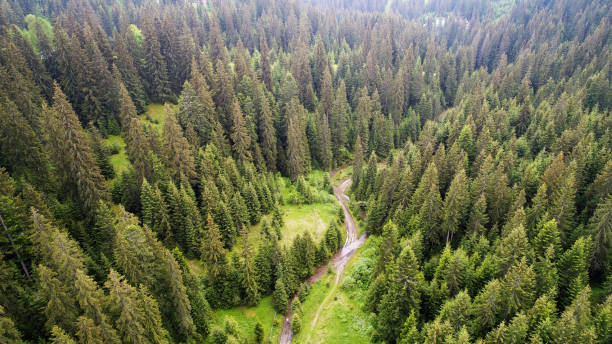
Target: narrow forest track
(339, 261)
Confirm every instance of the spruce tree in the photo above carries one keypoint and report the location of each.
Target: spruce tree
(241, 141)
(71, 151)
(8, 332)
(456, 204)
(139, 319)
(296, 140)
(402, 297)
(155, 71)
(192, 117)
(267, 132)
(600, 230)
(177, 150)
(279, 297)
(357, 164)
(338, 121)
(573, 268)
(249, 277)
(212, 251)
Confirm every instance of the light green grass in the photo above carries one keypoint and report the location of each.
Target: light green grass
(342, 318)
(247, 317)
(343, 175)
(155, 115)
(119, 161)
(299, 218)
(318, 291)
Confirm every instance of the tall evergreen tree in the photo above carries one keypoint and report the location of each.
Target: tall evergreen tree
(296, 139)
(71, 151)
(241, 141)
(456, 204)
(177, 150)
(212, 252)
(601, 232)
(357, 164)
(155, 69)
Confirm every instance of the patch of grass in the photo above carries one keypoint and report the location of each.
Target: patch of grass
(119, 161)
(342, 318)
(155, 115)
(318, 291)
(247, 317)
(342, 175)
(298, 218)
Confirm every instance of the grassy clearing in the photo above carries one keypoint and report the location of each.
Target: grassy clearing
(299, 218)
(342, 318)
(318, 291)
(119, 161)
(342, 175)
(155, 115)
(247, 317)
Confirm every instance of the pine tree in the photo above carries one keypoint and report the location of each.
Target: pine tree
(600, 230)
(402, 297)
(155, 71)
(177, 150)
(249, 277)
(357, 164)
(279, 297)
(241, 141)
(212, 250)
(135, 316)
(192, 117)
(296, 140)
(71, 151)
(518, 287)
(456, 204)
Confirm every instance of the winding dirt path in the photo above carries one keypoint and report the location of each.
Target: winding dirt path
(339, 261)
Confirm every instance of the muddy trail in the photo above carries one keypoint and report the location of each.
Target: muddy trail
(338, 262)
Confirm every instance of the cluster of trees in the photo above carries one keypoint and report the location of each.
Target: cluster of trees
(493, 118)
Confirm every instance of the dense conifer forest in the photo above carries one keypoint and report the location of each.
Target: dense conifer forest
(159, 162)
